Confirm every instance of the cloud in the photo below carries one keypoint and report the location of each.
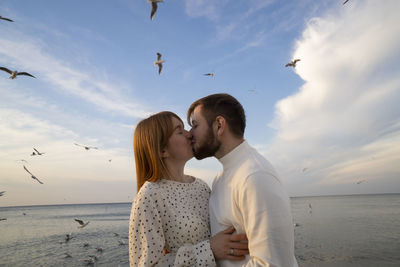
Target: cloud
(62, 77)
(345, 113)
(204, 8)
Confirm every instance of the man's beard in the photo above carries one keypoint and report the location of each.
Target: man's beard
(209, 148)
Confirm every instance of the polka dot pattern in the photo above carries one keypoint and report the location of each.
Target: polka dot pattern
(173, 216)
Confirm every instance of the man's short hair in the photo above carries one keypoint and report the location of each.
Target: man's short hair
(223, 105)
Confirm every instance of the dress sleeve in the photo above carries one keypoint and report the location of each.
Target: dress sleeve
(147, 240)
(268, 223)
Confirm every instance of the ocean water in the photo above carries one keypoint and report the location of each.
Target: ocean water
(361, 230)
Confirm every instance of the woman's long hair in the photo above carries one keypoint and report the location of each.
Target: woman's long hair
(149, 140)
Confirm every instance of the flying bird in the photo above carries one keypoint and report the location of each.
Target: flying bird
(82, 224)
(159, 62)
(345, 2)
(32, 176)
(292, 63)
(2, 193)
(86, 147)
(36, 152)
(15, 73)
(154, 5)
(210, 74)
(3, 18)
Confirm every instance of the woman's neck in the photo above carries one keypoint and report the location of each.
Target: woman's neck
(176, 172)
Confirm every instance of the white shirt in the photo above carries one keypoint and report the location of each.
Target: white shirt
(249, 195)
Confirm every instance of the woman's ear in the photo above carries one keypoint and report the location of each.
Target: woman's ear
(164, 153)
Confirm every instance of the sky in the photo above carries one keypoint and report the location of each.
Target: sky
(330, 126)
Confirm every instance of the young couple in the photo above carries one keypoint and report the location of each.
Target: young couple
(248, 209)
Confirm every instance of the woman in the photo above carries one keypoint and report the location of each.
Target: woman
(169, 223)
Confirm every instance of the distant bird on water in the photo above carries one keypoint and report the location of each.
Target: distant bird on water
(154, 6)
(82, 224)
(210, 74)
(32, 176)
(159, 62)
(292, 63)
(86, 147)
(359, 182)
(67, 255)
(3, 18)
(67, 237)
(15, 73)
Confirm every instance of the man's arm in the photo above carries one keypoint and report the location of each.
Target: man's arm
(268, 223)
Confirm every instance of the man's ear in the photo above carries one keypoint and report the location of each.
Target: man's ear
(220, 125)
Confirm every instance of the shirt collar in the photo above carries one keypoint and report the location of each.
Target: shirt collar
(234, 156)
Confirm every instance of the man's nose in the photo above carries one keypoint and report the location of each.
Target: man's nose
(188, 134)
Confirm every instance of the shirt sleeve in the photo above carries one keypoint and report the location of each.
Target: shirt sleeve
(147, 240)
(267, 220)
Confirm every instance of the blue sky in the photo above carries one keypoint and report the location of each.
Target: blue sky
(336, 114)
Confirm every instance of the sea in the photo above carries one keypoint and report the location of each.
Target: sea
(355, 230)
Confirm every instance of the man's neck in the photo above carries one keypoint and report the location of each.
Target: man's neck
(227, 146)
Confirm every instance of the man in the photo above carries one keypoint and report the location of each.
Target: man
(247, 194)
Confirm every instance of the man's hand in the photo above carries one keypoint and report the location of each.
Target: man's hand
(229, 246)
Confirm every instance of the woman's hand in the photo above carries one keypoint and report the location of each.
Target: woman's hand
(229, 246)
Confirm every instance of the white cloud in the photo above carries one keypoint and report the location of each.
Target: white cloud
(348, 104)
(205, 8)
(87, 85)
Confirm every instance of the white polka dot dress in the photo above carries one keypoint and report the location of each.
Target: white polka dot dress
(173, 216)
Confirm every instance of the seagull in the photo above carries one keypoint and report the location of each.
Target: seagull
(82, 224)
(99, 249)
(3, 18)
(159, 62)
(3, 219)
(153, 7)
(32, 176)
(2, 193)
(292, 63)
(67, 255)
(116, 234)
(211, 74)
(345, 2)
(36, 152)
(15, 73)
(359, 182)
(92, 259)
(67, 237)
(86, 147)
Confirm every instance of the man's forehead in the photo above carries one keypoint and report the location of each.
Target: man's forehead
(197, 114)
